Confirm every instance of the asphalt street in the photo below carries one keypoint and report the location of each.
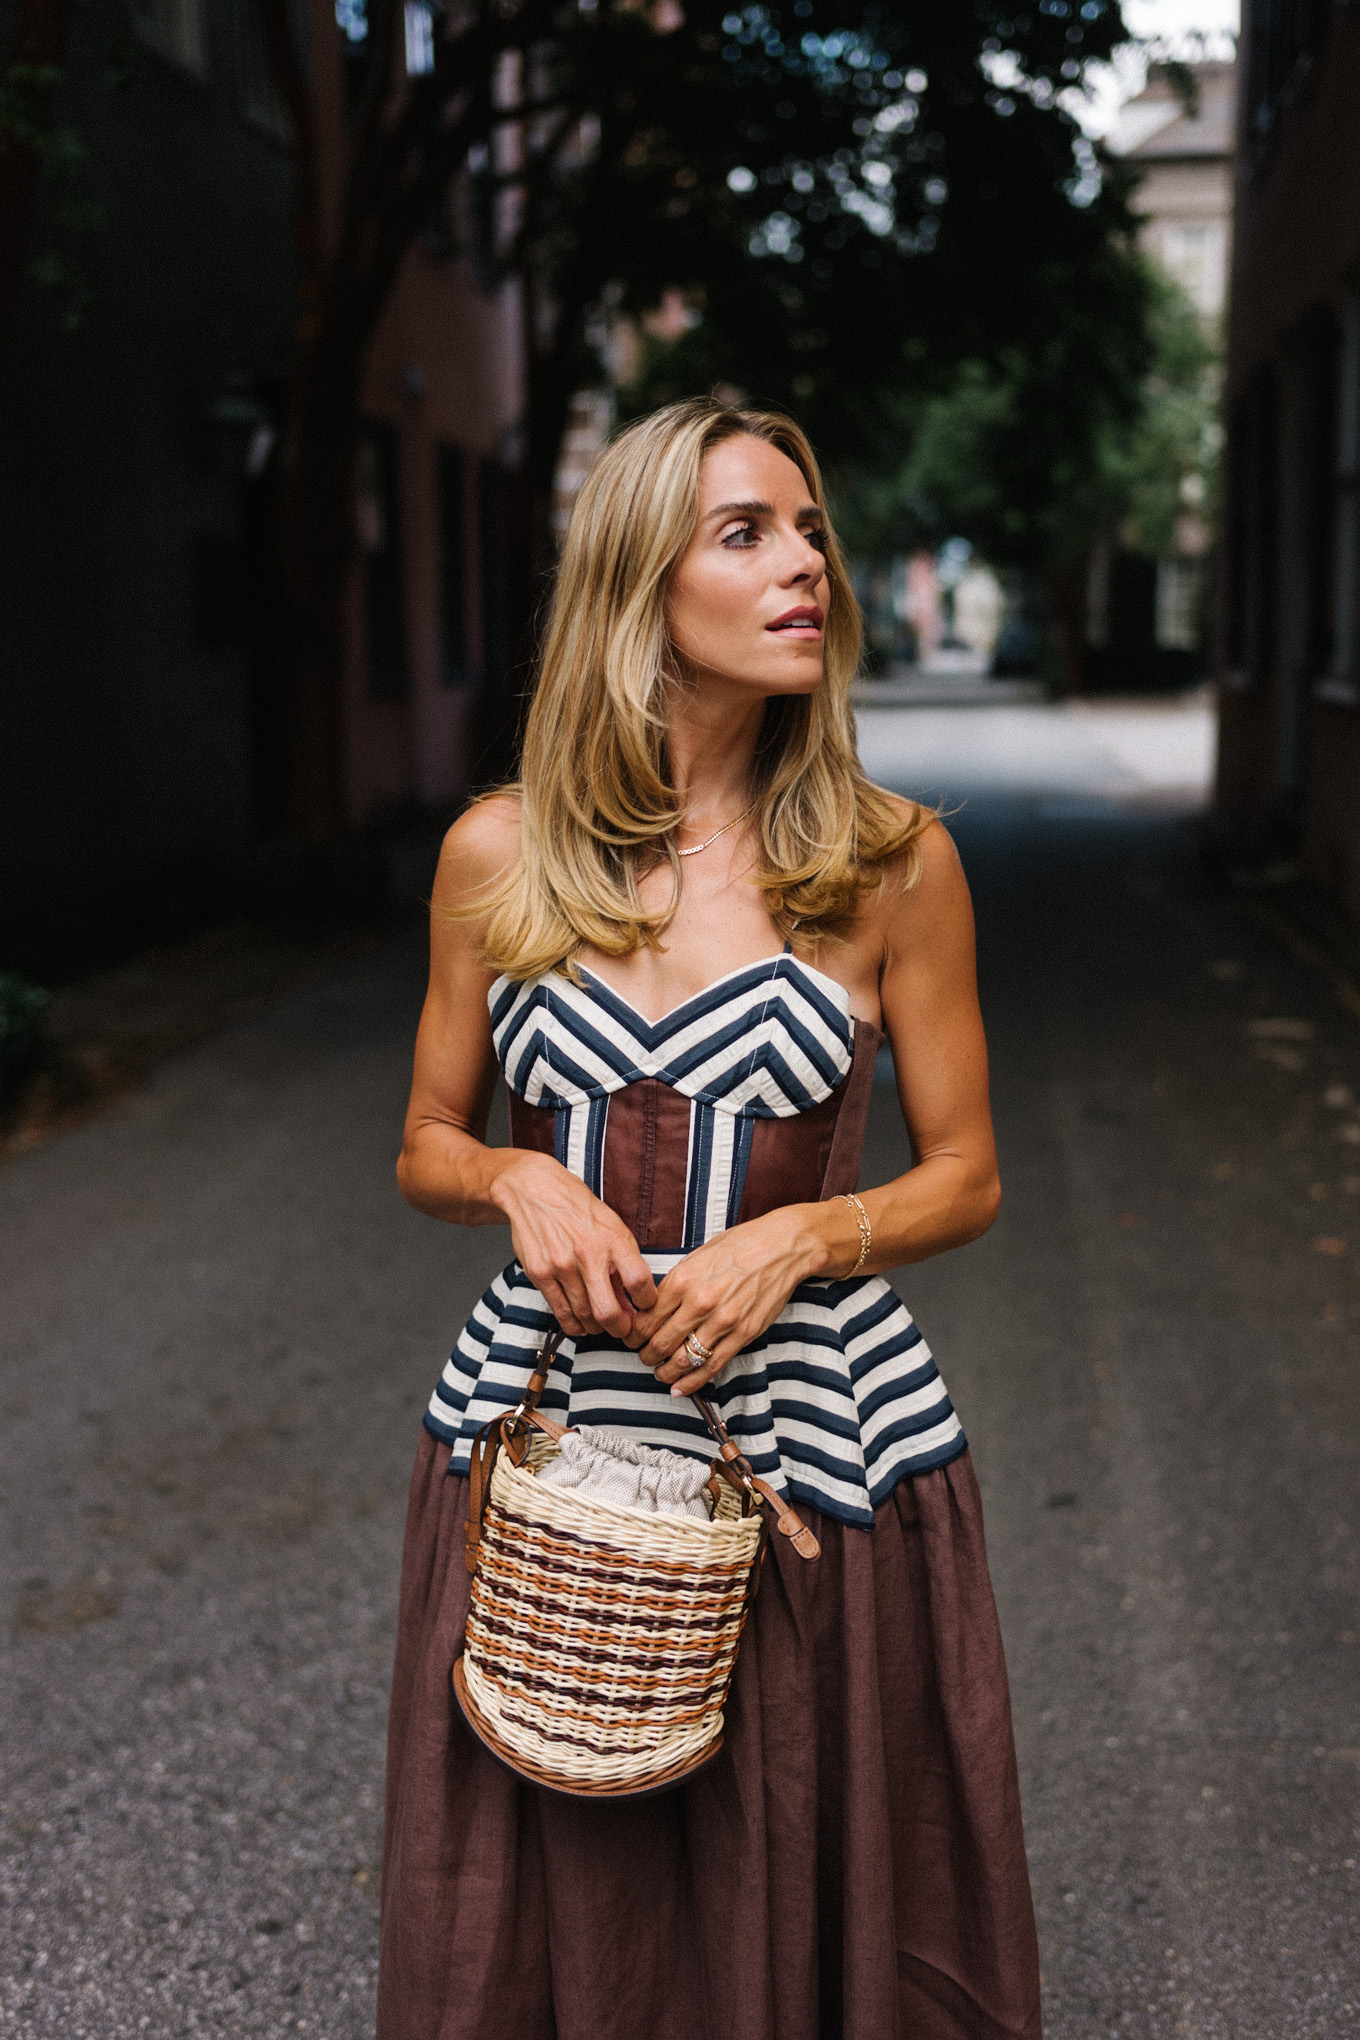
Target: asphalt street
(219, 1325)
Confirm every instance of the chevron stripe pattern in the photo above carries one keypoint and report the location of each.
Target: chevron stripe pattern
(765, 1042)
(841, 1398)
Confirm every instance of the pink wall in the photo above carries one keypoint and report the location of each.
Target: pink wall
(446, 365)
(443, 337)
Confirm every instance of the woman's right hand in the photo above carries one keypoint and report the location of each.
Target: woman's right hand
(579, 1255)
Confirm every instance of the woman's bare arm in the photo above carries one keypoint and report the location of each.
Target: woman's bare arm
(934, 1025)
(731, 1289)
(574, 1249)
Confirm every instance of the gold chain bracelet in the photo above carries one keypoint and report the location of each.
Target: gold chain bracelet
(866, 1231)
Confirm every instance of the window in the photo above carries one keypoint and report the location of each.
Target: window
(454, 664)
(1195, 252)
(389, 676)
(175, 29)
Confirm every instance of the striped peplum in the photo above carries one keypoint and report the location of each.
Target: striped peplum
(751, 1096)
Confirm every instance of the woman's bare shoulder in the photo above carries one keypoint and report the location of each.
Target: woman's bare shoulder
(481, 846)
(929, 863)
(938, 851)
(925, 890)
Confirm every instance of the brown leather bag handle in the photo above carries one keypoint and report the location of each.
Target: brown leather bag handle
(738, 1469)
(506, 1431)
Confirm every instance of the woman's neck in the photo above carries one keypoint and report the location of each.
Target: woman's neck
(711, 738)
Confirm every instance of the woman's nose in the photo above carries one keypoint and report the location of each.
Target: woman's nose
(807, 563)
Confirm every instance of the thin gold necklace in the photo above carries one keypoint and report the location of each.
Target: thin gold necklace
(719, 832)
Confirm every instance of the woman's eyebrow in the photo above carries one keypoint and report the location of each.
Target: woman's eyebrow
(755, 509)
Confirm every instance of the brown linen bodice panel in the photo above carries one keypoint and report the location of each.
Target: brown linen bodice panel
(801, 1160)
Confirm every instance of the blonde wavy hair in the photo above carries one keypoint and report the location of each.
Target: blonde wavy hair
(597, 804)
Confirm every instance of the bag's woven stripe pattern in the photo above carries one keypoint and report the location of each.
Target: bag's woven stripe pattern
(600, 1640)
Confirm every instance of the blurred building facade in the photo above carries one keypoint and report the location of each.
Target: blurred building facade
(1147, 618)
(1183, 149)
(142, 630)
(1290, 653)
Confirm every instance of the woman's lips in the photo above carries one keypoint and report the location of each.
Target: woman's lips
(808, 619)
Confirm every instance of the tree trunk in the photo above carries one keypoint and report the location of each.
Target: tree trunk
(38, 45)
(553, 375)
(318, 543)
(1067, 614)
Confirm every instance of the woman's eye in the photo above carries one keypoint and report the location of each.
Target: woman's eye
(818, 536)
(740, 536)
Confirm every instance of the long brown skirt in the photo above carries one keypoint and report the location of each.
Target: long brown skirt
(851, 1868)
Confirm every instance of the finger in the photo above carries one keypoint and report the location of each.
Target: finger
(654, 1338)
(551, 1274)
(625, 1303)
(609, 1314)
(578, 1300)
(555, 1298)
(669, 1298)
(698, 1378)
(639, 1283)
(688, 1316)
(681, 1359)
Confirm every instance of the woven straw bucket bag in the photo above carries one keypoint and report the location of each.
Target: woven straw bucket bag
(601, 1640)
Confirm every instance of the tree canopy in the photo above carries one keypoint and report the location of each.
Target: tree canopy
(935, 203)
(852, 199)
(1033, 463)
(896, 229)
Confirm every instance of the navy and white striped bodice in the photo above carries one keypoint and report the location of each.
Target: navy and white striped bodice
(769, 1041)
(751, 1096)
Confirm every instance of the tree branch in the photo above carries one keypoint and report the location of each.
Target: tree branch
(275, 24)
(368, 125)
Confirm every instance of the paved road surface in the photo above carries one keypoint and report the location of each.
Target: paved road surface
(220, 1324)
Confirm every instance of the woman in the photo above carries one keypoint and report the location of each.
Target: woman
(682, 937)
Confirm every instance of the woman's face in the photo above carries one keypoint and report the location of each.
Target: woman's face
(748, 597)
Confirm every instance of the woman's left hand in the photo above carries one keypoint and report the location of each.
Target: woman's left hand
(726, 1293)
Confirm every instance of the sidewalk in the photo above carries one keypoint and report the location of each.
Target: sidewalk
(1150, 752)
(949, 680)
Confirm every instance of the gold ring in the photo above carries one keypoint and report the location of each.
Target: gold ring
(696, 1349)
